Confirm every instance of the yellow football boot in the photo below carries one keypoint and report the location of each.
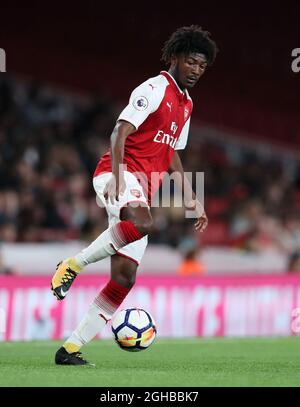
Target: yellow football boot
(66, 272)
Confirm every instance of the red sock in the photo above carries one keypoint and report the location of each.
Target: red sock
(111, 297)
(123, 233)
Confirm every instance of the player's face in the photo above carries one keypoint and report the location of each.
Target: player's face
(189, 68)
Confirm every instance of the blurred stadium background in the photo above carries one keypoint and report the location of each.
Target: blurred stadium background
(70, 71)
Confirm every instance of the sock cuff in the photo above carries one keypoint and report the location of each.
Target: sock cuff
(125, 232)
(111, 297)
(115, 292)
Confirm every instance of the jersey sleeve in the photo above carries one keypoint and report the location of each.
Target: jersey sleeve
(144, 100)
(182, 140)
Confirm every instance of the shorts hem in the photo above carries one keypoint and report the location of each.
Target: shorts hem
(125, 255)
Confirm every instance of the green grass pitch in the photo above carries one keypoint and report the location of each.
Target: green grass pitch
(168, 362)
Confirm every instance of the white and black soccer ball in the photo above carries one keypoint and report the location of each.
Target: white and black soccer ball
(134, 329)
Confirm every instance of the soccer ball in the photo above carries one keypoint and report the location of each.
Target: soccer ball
(134, 329)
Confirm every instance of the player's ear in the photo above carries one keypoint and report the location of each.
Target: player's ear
(173, 60)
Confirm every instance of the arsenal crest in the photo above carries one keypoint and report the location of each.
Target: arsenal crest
(136, 193)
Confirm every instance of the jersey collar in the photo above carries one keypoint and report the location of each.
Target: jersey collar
(174, 84)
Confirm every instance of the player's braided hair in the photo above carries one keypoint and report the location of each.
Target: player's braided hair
(186, 40)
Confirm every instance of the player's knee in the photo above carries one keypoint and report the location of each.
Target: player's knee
(130, 281)
(144, 226)
(127, 279)
(140, 217)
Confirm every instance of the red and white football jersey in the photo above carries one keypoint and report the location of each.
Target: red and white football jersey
(160, 112)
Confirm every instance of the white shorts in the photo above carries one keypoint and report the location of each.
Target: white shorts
(133, 193)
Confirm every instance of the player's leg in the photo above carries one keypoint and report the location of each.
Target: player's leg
(121, 234)
(127, 230)
(123, 274)
(134, 223)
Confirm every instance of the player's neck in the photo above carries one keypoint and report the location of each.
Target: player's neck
(172, 72)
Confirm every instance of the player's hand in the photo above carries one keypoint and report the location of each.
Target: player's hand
(114, 188)
(201, 223)
(200, 214)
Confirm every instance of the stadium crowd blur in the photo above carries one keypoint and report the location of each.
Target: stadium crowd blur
(50, 144)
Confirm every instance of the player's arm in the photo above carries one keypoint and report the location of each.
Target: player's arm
(143, 101)
(116, 184)
(190, 200)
